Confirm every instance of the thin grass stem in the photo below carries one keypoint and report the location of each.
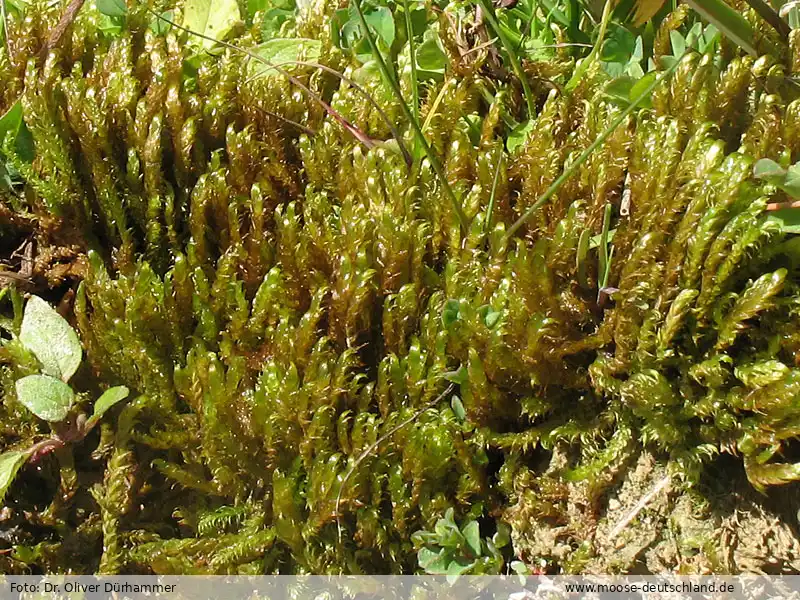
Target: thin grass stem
(570, 171)
(435, 164)
(512, 56)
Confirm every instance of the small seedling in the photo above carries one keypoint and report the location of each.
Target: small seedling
(452, 550)
(55, 345)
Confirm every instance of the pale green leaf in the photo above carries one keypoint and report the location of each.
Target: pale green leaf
(433, 563)
(769, 170)
(430, 56)
(787, 218)
(211, 18)
(13, 123)
(48, 335)
(279, 51)
(108, 399)
(791, 183)
(458, 408)
(10, 463)
(112, 8)
(472, 534)
(46, 397)
(519, 134)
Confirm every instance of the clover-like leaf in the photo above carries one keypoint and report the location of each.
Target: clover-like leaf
(10, 463)
(48, 335)
(46, 397)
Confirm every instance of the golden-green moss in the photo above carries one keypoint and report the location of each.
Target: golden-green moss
(277, 300)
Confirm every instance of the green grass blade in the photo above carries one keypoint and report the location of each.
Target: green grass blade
(771, 16)
(594, 55)
(512, 55)
(435, 164)
(594, 146)
(412, 52)
(728, 21)
(493, 195)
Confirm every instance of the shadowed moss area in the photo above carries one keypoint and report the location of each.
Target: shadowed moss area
(280, 296)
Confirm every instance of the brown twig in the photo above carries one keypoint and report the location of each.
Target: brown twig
(72, 10)
(773, 206)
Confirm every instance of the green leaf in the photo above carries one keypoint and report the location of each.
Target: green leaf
(161, 26)
(108, 399)
(519, 567)
(10, 463)
(433, 563)
(458, 408)
(278, 51)
(678, 43)
(48, 335)
(451, 312)
(212, 18)
(46, 397)
(472, 534)
(518, 135)
(457, 567)
(787, 218)
(13, 123)
(382, 22)
(502, 536)
(460, 376)
(768, 170)
(112, 8)
(430, 56)
(791, 183)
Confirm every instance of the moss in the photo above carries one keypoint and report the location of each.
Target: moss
(276, 300)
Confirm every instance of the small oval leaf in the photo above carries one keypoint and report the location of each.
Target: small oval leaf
(46, 397)
(112, 8)
(10, 462)
(48, 335)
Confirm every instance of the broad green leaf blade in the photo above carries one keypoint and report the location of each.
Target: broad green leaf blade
(731, 23)
(791, 183)
(433, 563)
(47, 334)
(787, 218)
(13, 123)
(10, 463)
(108, 399)
(472, 534)
(212, 18)
(46, 397)
(458, 408)
(430, 56)
(769, 170)
(112, 8)
(279, 51)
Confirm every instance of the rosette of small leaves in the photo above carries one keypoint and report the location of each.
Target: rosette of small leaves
(454, 550)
